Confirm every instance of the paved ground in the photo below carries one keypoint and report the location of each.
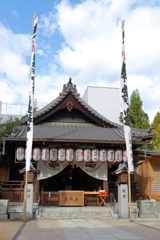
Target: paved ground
(9, 229)
(80, 229)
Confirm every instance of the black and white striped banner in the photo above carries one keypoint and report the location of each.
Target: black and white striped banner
(31, 97)
(126, 119)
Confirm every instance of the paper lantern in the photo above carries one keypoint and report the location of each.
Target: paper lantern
(118, 155)
(69, 154)
(125, 157)
(103, 155)
(20, 154)
(53, 154)
(87, 155)
(79, 155)
(25, 154)
(95, 155)
(36, 154)
(45, 154)
(61, 154)
(111, 155)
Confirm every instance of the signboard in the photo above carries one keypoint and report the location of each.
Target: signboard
(71, 198)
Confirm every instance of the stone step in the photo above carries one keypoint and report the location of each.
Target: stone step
(75, 212)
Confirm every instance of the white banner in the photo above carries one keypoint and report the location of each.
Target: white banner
(126, 119)
(31, 97)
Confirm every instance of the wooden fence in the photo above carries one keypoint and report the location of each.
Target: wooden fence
(13, 190)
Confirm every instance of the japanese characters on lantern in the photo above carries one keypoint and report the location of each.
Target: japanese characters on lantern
(79, 155)
(118, 155)
(36, 154)
(87, 155)
(53, 154)
(103, 155)
(61, 154)
(125, 158)
(69, 154)
(110, 155)
(45, 154)
(20, 154)
(95, 155)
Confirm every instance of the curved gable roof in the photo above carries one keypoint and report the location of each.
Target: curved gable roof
(70, 89)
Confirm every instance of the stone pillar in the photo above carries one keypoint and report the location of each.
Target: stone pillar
(29, 214)
(123, 200)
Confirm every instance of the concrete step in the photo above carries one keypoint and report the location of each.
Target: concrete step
(75, 212)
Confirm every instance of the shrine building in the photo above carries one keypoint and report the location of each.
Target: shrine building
(74, 149)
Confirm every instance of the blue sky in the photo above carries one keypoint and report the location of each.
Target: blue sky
(82, 40)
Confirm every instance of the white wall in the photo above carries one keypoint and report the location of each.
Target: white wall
(104, 100)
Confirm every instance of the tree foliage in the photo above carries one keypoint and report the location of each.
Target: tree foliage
(7, 126)
(156, 129)
(138, 118)
(35, 107)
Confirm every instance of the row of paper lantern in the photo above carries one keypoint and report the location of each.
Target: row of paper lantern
(87, 155)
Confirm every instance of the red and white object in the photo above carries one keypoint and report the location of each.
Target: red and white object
(79, 155)
(87, 155)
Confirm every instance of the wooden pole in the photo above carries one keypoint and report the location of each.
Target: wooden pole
(25, 197)
(129, 195)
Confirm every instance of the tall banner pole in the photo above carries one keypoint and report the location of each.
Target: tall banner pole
(126, 119)
(30, 112)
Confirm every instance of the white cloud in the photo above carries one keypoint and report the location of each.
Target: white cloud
(48, 24)
(13, 68)
(91, 50)
(14, 13)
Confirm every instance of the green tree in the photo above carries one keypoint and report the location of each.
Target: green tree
(35, 107)
(156, 129)
(138, 118)
(7, 126)
(121, 117)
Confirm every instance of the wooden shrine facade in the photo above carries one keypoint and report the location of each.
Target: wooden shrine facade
(67, 125)
(147, 174)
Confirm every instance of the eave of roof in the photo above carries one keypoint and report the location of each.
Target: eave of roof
(148, 152)
(69, 88)
(60, 133)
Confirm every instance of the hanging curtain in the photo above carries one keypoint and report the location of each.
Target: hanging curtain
(50, 169)
(97, 170)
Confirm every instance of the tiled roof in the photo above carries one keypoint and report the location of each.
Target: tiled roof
(70, 87)
(93, 133)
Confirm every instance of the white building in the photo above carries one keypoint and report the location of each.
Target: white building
(105, 100)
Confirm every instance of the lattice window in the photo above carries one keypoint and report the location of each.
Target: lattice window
(155, 171)
(143, 179)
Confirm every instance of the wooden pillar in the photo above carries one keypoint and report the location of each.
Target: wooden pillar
(105, 185)
(36, 190)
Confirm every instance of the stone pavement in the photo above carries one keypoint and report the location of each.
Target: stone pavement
(87, 229)
(9, 229)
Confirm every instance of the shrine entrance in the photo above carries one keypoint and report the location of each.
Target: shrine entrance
(72, 178)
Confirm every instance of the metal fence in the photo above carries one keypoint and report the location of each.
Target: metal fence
(15, 109)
